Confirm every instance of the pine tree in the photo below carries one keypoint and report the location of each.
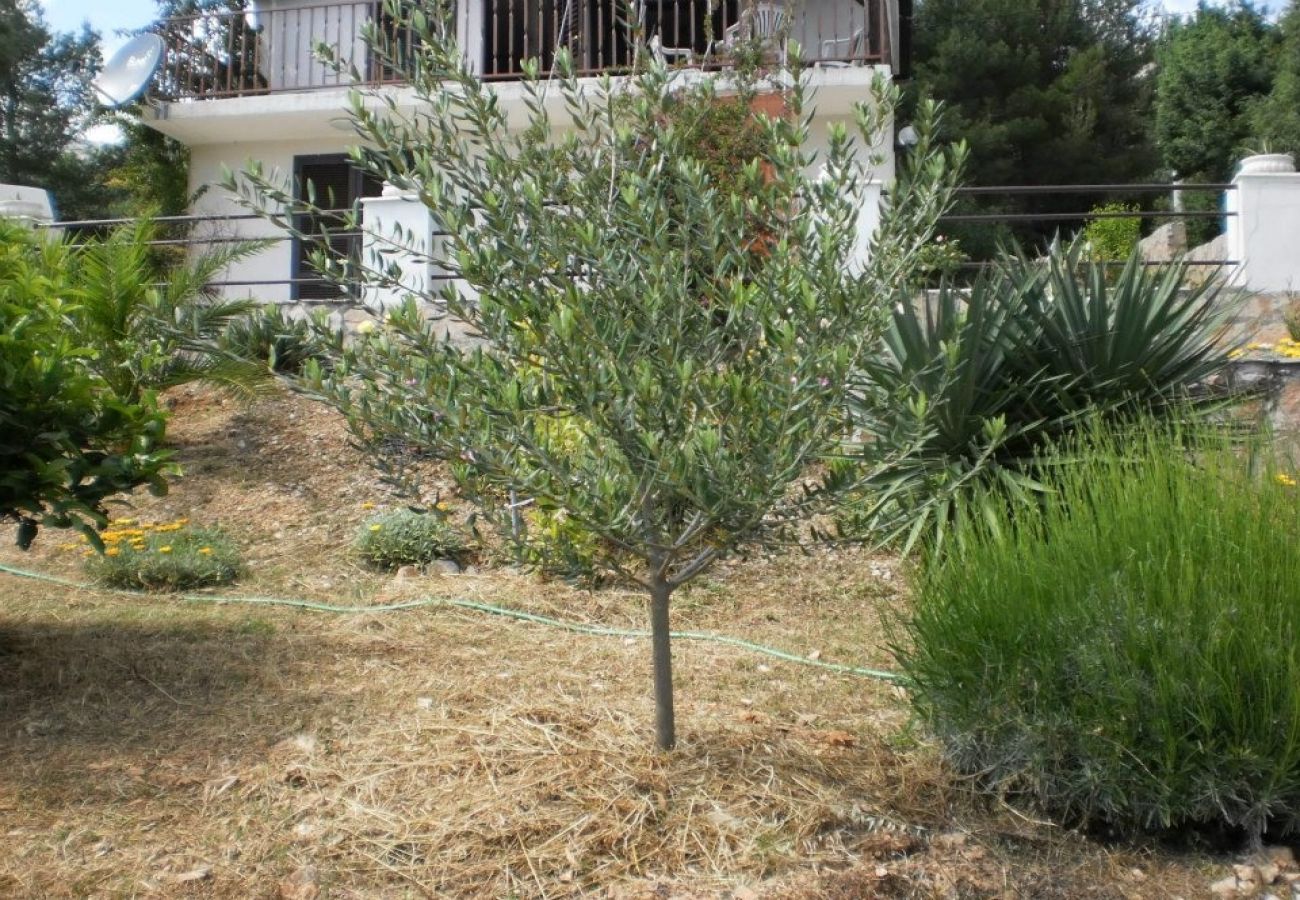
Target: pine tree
(1042, 91)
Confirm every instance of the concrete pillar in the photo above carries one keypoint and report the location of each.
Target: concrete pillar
(397, 231)
(1264, 235)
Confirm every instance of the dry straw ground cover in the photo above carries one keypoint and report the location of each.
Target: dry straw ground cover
(150, 747)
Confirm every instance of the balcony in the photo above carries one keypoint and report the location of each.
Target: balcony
(270, 48)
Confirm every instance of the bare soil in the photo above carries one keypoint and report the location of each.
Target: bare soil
(151, 746)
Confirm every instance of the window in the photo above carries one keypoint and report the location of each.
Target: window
(335, 184)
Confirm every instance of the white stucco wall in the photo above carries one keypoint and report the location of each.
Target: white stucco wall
(273, 264)
(277, 156)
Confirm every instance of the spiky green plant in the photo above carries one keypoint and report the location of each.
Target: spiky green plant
(151, 326)
(996, 372)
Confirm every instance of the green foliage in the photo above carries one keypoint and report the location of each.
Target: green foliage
(1213, 67)
(1125, 654)
(1114, 237)
(1291, 317)
(45, 101)
(408, 537)
(707, 402)
(67, 441)
(172, 557)
(942, 258)
(150, 172)
(1044, 92)
(997, 373)
(269, 337)
(150, 326)
(1276, 118)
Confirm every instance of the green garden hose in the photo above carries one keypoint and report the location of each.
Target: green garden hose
(575, 627)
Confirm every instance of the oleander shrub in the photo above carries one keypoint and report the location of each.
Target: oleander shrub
(1125, 655)
(169, 556)
(406, 536)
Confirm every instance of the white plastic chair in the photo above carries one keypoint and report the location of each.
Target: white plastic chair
(762, 22)
(854, 45)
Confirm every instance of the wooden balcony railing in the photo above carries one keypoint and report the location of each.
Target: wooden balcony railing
(233, 54)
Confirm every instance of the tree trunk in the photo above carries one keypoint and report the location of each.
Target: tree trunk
(665, 731)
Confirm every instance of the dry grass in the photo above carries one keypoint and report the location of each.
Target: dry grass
(151, 747)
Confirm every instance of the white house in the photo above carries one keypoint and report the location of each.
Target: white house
(235, 86)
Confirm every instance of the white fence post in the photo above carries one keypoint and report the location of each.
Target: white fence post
(397, 229)
(1264, 235)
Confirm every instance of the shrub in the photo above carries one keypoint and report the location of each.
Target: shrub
(1115, 237)
(67, 442)
(270, 338)
(1291, 317)
(407, 537)
(1125, 654)
(996, 373)
(166, 557)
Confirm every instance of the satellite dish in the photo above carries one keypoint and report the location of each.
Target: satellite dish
(129, 71)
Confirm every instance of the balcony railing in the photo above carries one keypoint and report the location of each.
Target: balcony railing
(233, 54)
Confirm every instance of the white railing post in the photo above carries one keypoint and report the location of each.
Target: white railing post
(1264, 233)
(397, 229)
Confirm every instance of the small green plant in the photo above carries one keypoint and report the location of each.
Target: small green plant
(1124, 654)
(942, 258)
(1114, 237)
(407, 537)
(270, 338)
(1291, 316)
(167, 557)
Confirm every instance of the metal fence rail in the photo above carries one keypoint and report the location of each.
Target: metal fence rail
(193, 232)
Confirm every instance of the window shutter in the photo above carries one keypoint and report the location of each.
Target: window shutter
(333, 186)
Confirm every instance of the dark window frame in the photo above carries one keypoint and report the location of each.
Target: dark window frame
(359, 185)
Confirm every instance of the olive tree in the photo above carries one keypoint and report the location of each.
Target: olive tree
(662, 355)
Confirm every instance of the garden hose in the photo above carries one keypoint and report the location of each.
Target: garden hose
(505, 612)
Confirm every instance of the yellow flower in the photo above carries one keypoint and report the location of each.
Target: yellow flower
(441, 504)
(122, 522)
(167, 549)
(137, 545)
(112, 551)
(367, 505)
(1284, 479)
(374, 528)
(206, 551)
(68, 546)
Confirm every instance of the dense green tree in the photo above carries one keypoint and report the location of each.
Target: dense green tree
(1043, 92)
(1277, 118)
(45, 101)
(1213, 67)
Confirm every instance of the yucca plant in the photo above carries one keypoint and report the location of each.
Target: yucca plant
(284, 345)
(994, 373)
(150, 327)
